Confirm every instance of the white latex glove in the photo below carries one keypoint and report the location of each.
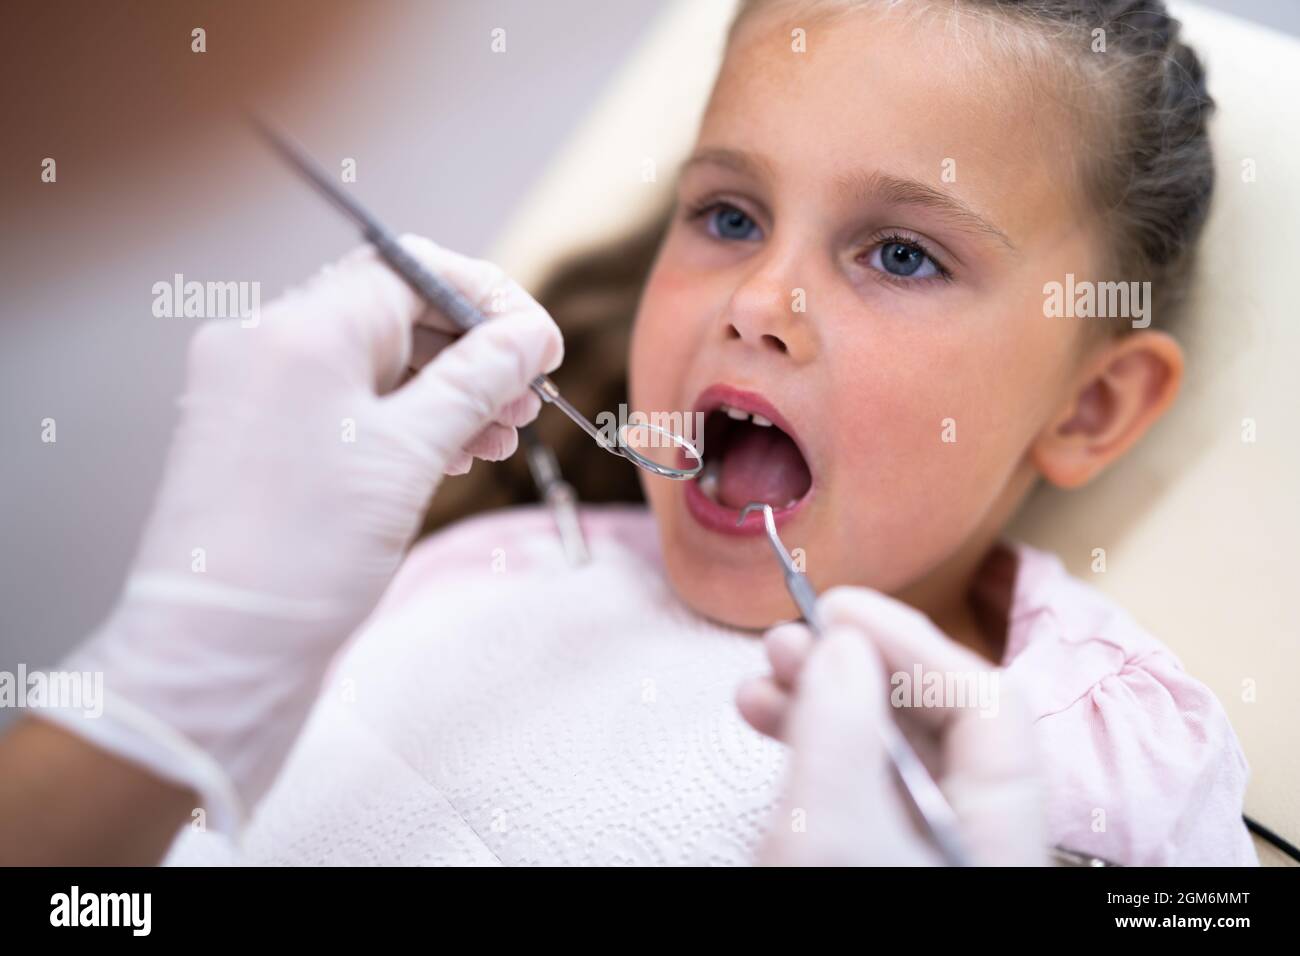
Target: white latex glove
(827, 699)
(297, 478)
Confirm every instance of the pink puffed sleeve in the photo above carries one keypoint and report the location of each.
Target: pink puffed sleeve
(1146, 770)
(1141, 764)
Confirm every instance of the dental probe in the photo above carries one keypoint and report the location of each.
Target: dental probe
(930, 803)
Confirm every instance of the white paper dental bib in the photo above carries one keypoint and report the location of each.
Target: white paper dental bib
(495, 716)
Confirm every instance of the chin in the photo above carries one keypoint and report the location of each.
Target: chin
(738, 603)
(731, 581)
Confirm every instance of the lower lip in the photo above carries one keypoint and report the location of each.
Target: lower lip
(716, 517)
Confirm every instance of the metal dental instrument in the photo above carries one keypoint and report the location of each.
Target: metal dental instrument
(450, 302)
(558, 494)
(928, 800)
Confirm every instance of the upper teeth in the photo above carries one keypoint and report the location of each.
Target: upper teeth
(740, 415)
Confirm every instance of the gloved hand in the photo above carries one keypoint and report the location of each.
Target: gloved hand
(296, 480)
(827, 698)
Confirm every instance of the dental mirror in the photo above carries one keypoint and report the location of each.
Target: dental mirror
(647, 446)
(660, 451)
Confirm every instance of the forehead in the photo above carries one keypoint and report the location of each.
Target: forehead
(940, 97)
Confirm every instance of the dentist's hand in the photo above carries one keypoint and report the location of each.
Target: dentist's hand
(827, 700)
(297, 478)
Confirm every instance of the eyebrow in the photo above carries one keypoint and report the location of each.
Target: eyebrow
(760, 167)
(896, 190)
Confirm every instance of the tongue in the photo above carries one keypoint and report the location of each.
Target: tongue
(762, 464)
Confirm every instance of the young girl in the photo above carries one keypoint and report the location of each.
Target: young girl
(851, 289)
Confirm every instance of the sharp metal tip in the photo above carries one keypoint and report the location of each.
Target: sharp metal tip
(769, 525)
(752, 507)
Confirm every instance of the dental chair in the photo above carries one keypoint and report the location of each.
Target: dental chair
(1200, 522)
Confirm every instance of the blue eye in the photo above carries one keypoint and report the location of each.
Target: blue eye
(725, 221)
(904, 258)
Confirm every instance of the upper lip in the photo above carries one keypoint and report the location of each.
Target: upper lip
(715, 396)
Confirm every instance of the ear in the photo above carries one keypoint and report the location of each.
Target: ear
(1122, 389)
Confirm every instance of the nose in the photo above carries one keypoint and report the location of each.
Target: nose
(769, 308)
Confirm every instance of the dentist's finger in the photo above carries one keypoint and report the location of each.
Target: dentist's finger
(901, 629)
(521, 411)
(904, 638)
(365, 301)
(518, 413)
(485, 284)
(788, 647)
(470, 383)
(763, 705)
(494, 443)
(394, 325)
(765, 701)
(986, 748)
(460, 465)
(354, 315)
(991, 778)
(500, 439)
(834, 725)
(838, 771)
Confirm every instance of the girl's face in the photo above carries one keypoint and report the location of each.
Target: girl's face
(858, 254)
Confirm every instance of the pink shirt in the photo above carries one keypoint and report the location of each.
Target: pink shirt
(1142, 764)
(501, 707)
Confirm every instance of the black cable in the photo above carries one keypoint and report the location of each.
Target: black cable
(1268, 836)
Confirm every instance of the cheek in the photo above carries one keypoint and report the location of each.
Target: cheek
(663, 338)
(968, 392)
(932, 426)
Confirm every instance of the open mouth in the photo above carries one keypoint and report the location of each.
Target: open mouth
(750, 454)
